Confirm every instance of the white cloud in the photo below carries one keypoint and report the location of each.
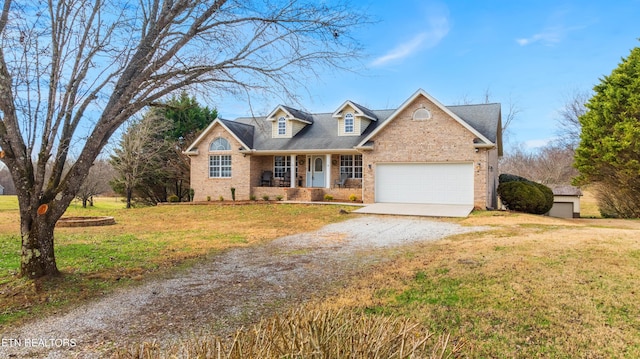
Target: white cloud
(438, 29)
(549, 36)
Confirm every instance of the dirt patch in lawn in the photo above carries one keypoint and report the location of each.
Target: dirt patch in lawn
(228, 290)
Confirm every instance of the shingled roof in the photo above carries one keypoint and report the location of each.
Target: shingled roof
(321, 132)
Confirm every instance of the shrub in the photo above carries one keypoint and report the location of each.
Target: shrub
(328, 197)
(265, 197)
(353, 197)
(233, 194)
(506, 177)
(173, 198)
(208, 198)
(220, 198)
(279, 197)
(192, 192)
(252, 197)
(526, 196)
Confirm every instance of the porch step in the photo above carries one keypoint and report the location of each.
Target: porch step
(304, 194)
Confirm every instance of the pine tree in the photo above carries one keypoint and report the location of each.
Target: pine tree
(608, 155)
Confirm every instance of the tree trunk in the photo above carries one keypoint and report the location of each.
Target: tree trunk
(38, 259)
(84, 202)
(129, 193)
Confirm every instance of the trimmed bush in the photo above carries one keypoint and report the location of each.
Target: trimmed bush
(523, 195)
(526, 196)
(506, 177)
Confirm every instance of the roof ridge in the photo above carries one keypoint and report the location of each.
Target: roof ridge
(474, 104)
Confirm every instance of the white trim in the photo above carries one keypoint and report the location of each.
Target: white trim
(301, 152)
(290, 117)
(409, 101)
(293, 170)
(358, 110)
(327, 172)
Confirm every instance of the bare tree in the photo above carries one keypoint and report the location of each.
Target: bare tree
(64, 63)
(513, 110)
(96, 183)
(139, 153)
(569, 128)
(549, 165)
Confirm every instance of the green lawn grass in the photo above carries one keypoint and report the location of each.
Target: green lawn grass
(144, 242)
(533, 286)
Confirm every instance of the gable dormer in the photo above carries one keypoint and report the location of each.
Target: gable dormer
(353, 119)
(286, 122)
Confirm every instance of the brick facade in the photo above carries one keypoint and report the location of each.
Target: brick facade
(214, 188)
(403, 139)
(438, 139)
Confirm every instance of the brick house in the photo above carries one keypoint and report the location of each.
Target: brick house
(421, 152)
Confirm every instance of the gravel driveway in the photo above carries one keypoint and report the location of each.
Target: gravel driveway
(229, 290)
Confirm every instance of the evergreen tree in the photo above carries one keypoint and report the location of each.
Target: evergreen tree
(163, 133)
(609, 151)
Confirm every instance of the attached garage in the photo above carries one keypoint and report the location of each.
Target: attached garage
(430, 183)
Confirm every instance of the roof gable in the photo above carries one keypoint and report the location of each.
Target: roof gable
(243, 133)
(292, 114)
(360, 111)
(416, 95)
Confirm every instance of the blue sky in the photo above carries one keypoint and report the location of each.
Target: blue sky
(533, 54)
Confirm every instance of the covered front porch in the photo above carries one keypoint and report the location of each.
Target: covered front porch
(307, 177)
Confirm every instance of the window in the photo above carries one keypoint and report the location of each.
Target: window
(220, 166)
(219, 144)
(348, 123)
(421, 114)
(351, 164)
(282, 126)
(281, 164)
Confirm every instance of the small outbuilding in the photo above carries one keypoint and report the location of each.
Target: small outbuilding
(566, 202)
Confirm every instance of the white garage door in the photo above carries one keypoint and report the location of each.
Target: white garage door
(433, 183)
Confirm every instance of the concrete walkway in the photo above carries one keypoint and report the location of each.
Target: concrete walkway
(417, 209)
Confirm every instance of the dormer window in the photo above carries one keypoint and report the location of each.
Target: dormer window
(348, 123)
(282, 126)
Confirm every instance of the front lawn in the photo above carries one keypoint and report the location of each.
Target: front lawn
(145, 242)
(533, 286)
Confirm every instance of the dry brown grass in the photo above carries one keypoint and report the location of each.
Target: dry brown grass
(311, 333)
(531, 286)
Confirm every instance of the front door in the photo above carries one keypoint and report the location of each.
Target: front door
(315, 171)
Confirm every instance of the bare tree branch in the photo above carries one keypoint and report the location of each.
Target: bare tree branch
(568, 121)
(68, 64)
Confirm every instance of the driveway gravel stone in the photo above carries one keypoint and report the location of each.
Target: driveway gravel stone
(226, 291)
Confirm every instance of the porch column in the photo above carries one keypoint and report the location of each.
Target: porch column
(327, 178)
(294, 165)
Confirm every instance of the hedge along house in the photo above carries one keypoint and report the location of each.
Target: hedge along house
(421, 152)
